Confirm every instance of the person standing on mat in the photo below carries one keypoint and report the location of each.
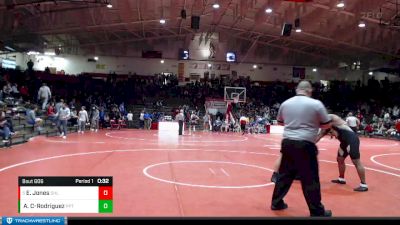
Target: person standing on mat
(63, 116)
(302, 117)
(180, 118)
(243, 121)
(353, 122)
(349, 145)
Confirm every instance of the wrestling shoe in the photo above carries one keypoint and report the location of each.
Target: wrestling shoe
(337, 181)
(361, 188)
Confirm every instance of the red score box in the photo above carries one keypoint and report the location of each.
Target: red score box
(105, 193)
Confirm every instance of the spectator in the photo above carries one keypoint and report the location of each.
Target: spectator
(396, 112)
(147, 121)
(122, 109)
(95, 117)
(74, 117)
(369, 130)
(59, 105)
(51, 113)
(129, 116)
(353, 122)
(63, 115)
(102, 118)
(15, 92)
(30, 65)
(44, 94)
(23, 90)
(7, 89)
(5, 132)
(141, 119)
(83, 119)
(398, 127)
(32, 120)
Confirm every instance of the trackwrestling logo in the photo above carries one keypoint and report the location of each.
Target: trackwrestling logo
(33, 220)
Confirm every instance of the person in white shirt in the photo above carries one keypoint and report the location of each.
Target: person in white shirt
(141, 119)
(353, 122)
(83, 119)
(15, 91)
(129, 116)
(396, 112)
(44, 94)
(243, 121)
(207, 122)
(193, 122)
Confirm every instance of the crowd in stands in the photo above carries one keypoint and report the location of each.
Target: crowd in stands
(375, 104)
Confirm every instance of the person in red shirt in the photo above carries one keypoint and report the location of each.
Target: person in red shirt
(368, 130)
(229, 109)
(359, 115)
(51, 114)
(23, 90)
(398, 126)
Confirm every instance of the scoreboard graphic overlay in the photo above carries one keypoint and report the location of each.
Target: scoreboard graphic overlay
(65, 195)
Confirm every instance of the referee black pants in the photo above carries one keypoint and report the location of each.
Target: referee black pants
(180, 126)
(299, 158)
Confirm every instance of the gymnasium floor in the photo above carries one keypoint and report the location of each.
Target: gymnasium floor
(205, 174)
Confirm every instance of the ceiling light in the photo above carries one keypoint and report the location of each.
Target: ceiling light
(162, 61)
(314, 69)
(298, 30)
(340, 4)
(209, 65)
(216, 6)
(268, 10)
(9, 48)
(162, 21)
(255, 66)
(32, 53)
(109, 6)
(206, 53)
(96, 58)
(50, 53)
(371, 73)
(362, 24)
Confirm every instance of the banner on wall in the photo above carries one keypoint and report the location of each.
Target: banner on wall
(204, 66)
(181, 72)
(100, 66)
(198, 66)
(213, 106)
(225, 67)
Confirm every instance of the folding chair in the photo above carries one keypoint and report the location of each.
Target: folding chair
(114, 124)
(122, 124)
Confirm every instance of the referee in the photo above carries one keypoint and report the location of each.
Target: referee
(180, 118)
(302, 117)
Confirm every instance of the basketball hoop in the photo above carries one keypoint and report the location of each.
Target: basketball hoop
(235, 94)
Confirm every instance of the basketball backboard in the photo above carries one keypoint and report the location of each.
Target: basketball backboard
(235, 94)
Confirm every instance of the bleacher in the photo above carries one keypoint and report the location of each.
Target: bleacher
(24, 131)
